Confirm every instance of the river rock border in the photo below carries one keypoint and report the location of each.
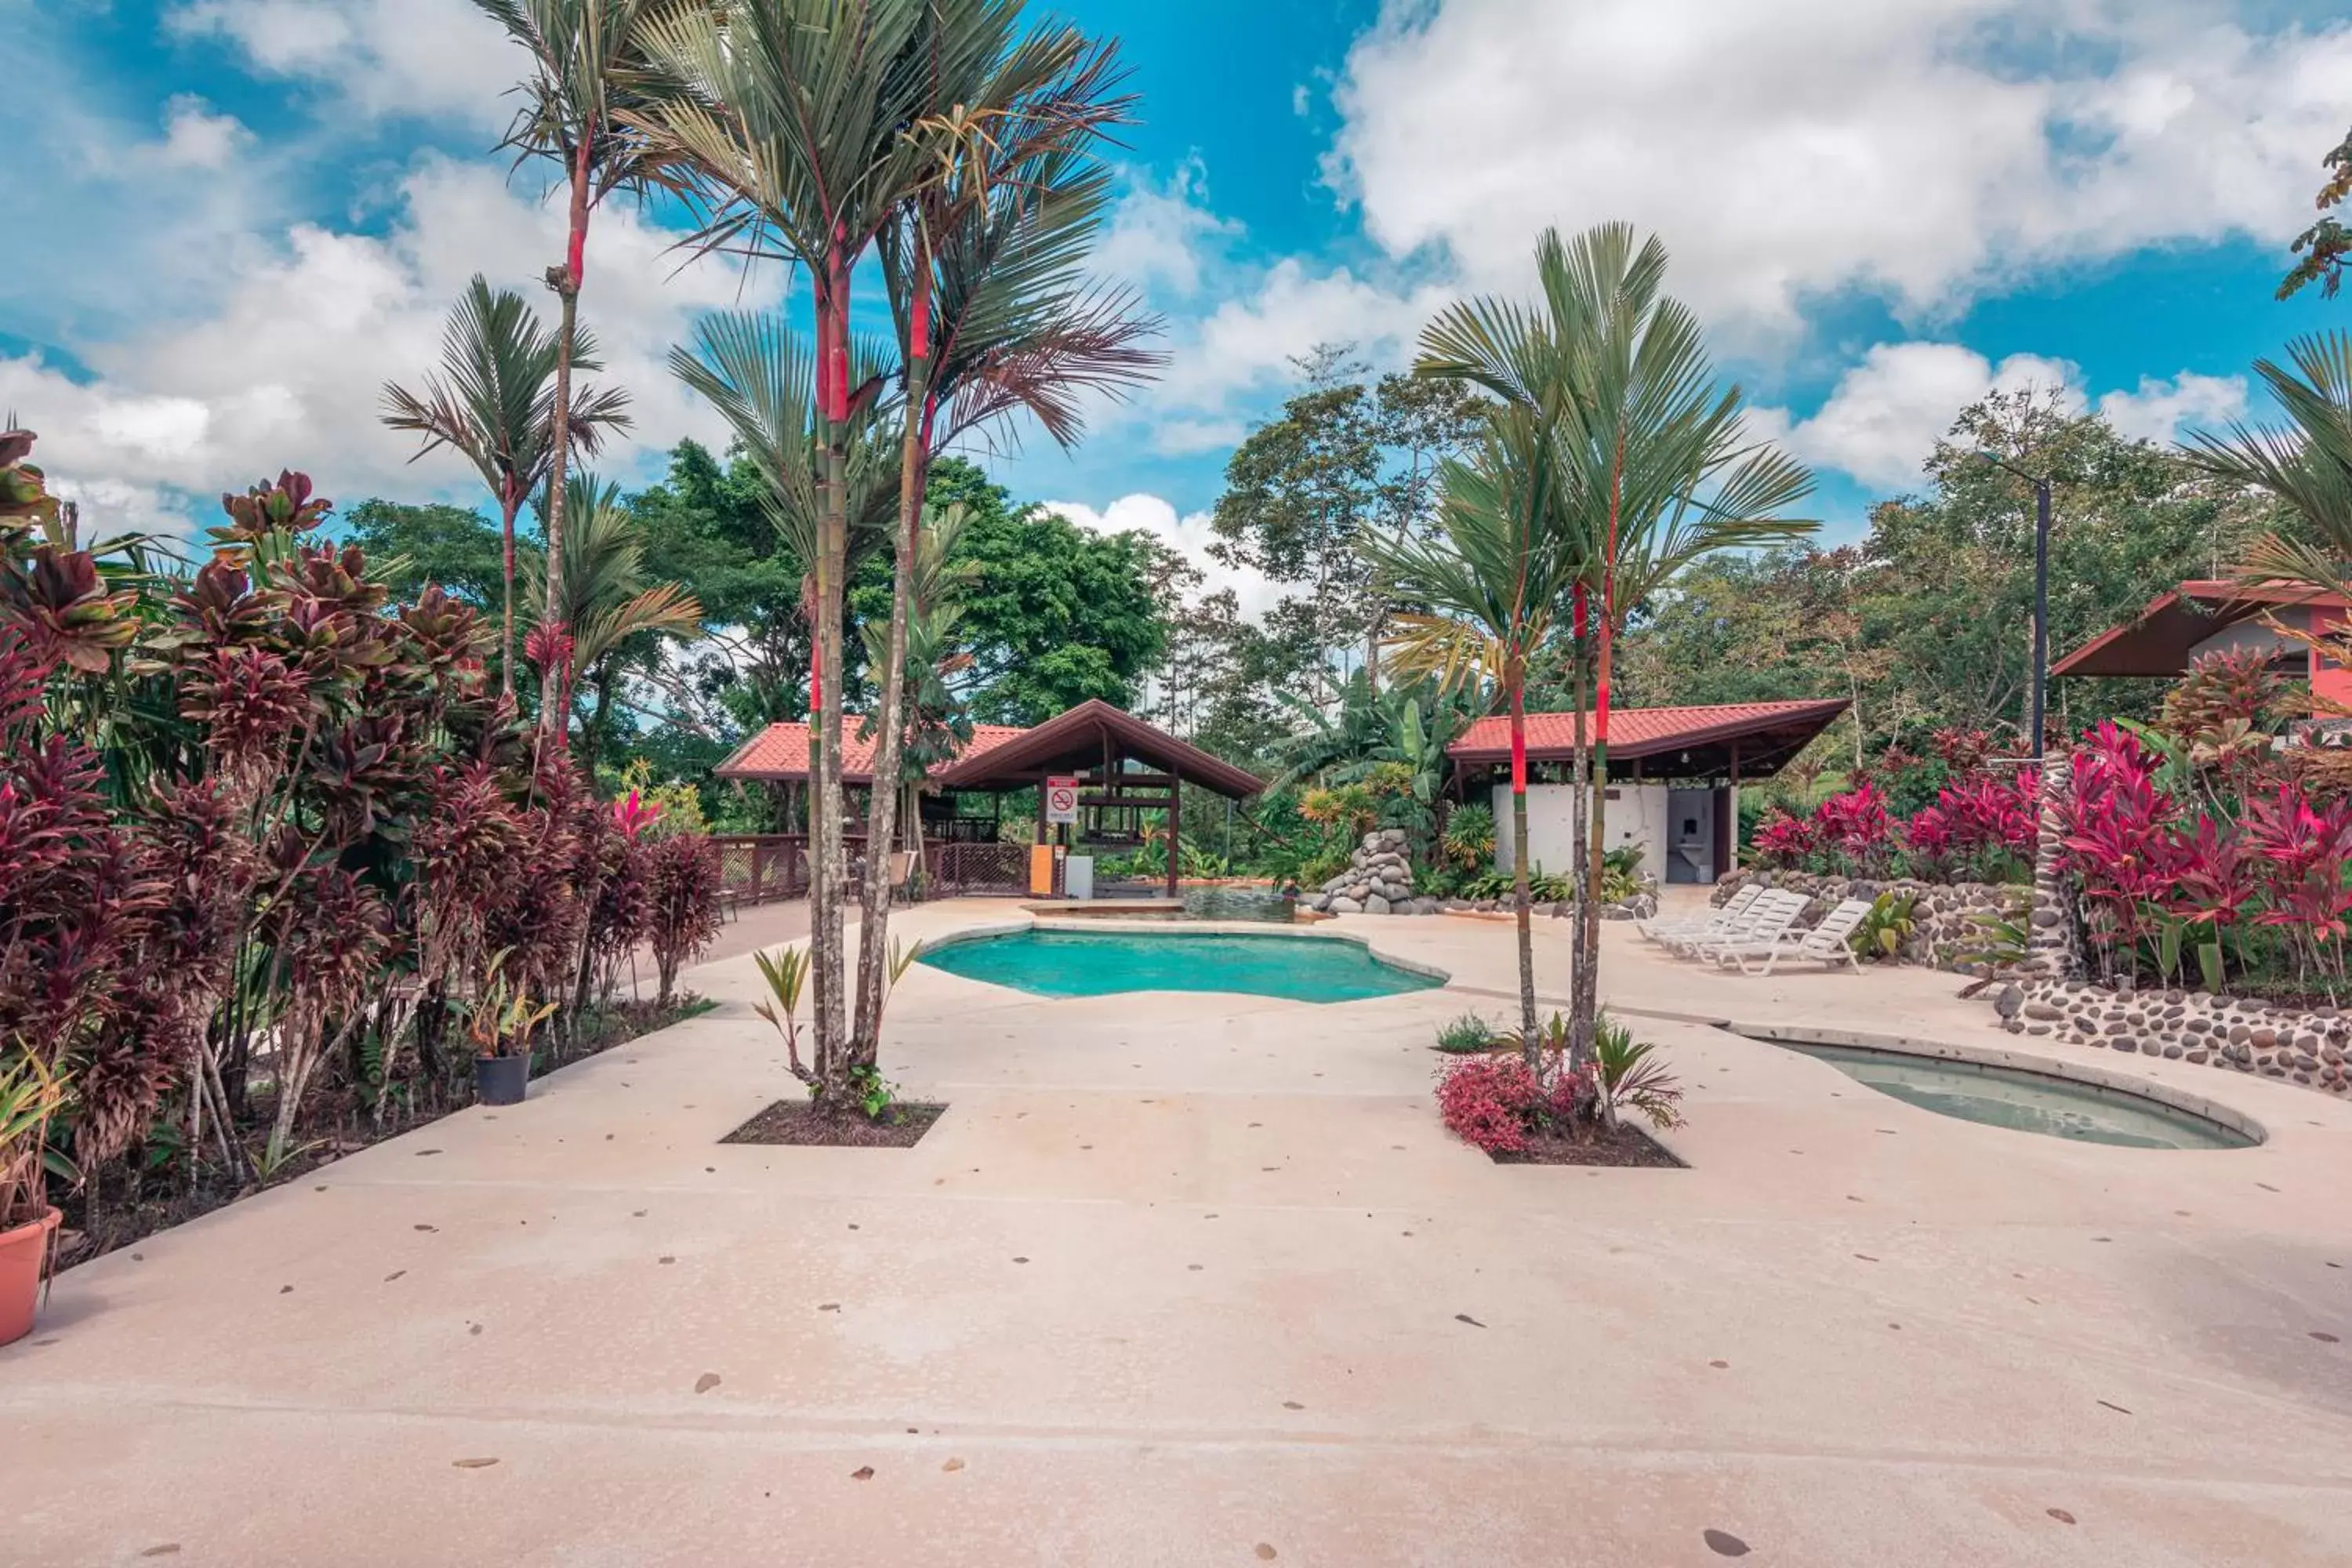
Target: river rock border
(2304, 1046)
(1942, 913)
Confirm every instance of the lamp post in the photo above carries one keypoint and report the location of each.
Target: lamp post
(2041, 484)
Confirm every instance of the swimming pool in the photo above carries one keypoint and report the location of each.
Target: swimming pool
(2026, 1102)
(1102, 963)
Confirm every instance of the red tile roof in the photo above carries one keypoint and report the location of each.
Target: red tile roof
(1646, 731)
(782, 751)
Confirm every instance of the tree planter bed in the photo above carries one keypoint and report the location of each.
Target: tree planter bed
(797, 1122)
(1626, 1147)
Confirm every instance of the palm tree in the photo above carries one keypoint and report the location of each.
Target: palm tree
(2308, 464)
(984, 270)
(791, 116)
(588, 72)
(603, 602)
(762, 377)
(1490, 581)
(935, 721)
(1657, 468)
(493, 401)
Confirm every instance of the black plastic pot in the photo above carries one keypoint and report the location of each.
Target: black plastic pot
(500, 1081)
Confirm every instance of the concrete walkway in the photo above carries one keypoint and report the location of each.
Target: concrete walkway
(1201, 1280)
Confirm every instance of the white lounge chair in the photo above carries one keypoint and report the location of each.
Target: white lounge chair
(1771, 912)
(1766, 919)
(1688, 927)
(1829, 943)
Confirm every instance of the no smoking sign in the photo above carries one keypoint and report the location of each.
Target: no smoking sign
(1061, 800)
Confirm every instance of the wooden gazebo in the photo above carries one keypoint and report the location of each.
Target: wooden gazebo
(1123, 765)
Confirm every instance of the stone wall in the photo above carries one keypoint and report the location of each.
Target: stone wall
(1377, 880)
(2053, 943)
(2300, 1044)
(1941, 912)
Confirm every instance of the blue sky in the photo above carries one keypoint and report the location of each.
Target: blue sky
(253, 212)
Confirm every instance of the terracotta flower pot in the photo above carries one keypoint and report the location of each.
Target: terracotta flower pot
(500, 1080)
(22, 1252)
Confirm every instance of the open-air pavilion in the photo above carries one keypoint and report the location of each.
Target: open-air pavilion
(1674, 776)
(1123, 767)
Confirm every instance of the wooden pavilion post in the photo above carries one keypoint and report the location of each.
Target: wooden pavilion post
(1175, 824)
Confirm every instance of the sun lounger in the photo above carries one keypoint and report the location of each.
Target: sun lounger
(1690, 926)
(1831, 944)
(1766, 919)
(1770, 914)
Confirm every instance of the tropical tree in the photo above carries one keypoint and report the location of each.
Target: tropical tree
(791, 116)
(1490, 581)
(763, 380)
(984, 271)
(493, 402)
(2306, 463)
(588, 72)
(1657, 468)
(603, 603)
(937, 720)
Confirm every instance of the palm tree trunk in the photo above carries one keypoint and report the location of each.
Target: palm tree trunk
(1585, 1000)
(508, 504)
(1519, 896)
(553, 722)
(875, 923)
(826, 936)
(1579, 816)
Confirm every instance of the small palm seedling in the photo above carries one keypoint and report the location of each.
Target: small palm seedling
(1627, 1076)
(786, 972)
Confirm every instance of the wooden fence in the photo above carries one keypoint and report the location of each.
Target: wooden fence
(757, 867)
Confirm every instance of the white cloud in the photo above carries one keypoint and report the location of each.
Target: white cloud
(286, 371)
(381, 57)
(1190, 536)
(2160, 410)
(194, 137)
(1162, 236)
(1788, 149)
(1885, 414)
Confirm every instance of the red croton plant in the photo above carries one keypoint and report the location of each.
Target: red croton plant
(2206, 849)
(262, 833)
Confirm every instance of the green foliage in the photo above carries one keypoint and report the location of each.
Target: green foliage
(2321, 250)
(1465, 1035)
(450, 546)
(1054, 614)
(785, 973)
(1922, 623)
(1886, 928)
(1628, 1075)
(1470, 835)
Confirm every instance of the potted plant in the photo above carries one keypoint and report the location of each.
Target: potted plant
(499, 1022)
(31, 1092)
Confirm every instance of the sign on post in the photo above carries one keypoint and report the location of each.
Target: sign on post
(1061, 800)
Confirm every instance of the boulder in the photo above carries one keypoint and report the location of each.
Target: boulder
(1376, 905)
(1343, 905)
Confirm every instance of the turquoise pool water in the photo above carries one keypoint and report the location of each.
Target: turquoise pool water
(2026, 1102)
(1100, 963)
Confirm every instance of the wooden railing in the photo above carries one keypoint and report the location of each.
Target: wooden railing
(759, 868)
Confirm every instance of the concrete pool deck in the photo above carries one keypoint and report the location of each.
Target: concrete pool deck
(1200, 1278)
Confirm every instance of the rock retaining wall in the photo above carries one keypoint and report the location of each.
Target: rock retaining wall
(1377, 880)
(2302, 1045)
(1942, 913)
